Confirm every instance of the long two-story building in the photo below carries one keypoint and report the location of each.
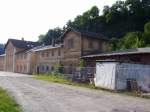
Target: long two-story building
(28, 57)
(73, 44)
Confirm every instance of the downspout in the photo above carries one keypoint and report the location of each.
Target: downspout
(28, 63)
(14, 59)
(5, 62)
(81, 44)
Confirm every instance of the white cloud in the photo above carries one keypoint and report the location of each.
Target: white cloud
(30, 18)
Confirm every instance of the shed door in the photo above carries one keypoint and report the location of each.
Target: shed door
(105, 75)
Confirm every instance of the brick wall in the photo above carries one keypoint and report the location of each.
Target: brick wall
(11, 57)
(2, 63)
(48, 59)
(72, 54)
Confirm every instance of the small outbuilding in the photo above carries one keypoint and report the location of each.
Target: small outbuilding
(116, 75)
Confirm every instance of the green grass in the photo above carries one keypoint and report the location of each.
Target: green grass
(62, 80)
(7, 104)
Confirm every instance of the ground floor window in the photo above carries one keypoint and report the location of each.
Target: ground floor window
(47, 68)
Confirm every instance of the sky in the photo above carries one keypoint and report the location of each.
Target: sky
(29, 18)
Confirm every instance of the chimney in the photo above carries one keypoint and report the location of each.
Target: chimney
(53, 42)
(22, 39)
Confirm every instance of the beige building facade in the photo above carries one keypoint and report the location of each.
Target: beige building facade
(68, 53)
(2, 62)
(48, 57)
(25, 62)
(78, 44)
(29, 57)
(17, 58)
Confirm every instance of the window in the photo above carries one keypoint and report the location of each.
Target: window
(21, 56)
(90, 45)
(47, 68)
(17, 68)
(25, 68)
(47, 54)
(52, 52)
(42, 54)
(70, 43)
(43, 68)
(52, 68)
(20, 68)
(59, 52)
(25, 56)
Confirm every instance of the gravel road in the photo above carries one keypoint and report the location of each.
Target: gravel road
(40, 96)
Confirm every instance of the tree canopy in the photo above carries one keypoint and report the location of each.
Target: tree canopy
(135, 39)
(50, 36)
(1, 49)
(122, 19)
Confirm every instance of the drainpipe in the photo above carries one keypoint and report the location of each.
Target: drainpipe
(14, 59)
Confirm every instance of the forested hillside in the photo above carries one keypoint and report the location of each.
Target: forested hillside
(115, 22)
(1, 49)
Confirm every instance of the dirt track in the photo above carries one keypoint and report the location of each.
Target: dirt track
(40, 96)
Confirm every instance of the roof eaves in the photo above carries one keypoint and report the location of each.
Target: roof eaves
(47, 48)
(121, 52)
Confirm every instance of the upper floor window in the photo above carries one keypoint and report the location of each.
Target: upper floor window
(52, 52)
(70, 43)
(25, 56)
(59, 52)
(47, 54)
(42, 54)
(90, 45)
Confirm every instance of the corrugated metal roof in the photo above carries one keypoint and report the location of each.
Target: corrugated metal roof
(121, 52)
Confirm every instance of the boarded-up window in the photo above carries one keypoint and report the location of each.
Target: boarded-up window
(70, 43)
(90, 45)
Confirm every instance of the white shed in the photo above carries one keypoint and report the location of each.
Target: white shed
(113, 75)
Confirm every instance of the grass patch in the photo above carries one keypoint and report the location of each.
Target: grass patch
(7, 104)
(60, 79)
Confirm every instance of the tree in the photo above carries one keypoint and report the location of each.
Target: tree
(147, 28)
(135, 39)
(2, 51)
(86, 20)
(115, 22)
(131, 40)
(41, 38)
(51, 36)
